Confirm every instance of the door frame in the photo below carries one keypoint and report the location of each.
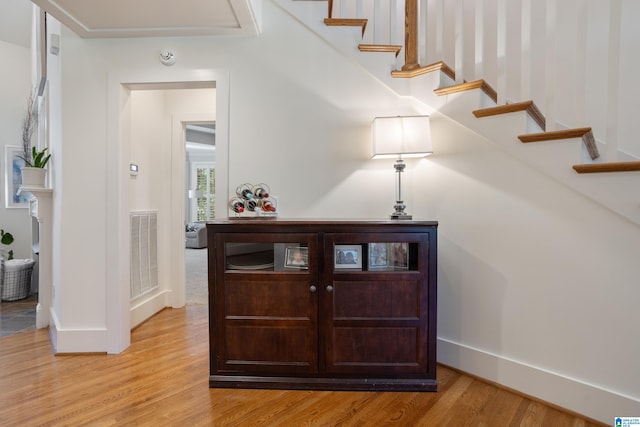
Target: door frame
(117, 191)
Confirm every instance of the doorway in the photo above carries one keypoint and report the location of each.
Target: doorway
(199, 207)
(171, 236)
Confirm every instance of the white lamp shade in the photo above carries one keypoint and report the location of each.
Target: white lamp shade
(403, 137)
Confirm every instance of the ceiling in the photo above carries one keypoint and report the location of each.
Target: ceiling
(133, 18)
(15, 22)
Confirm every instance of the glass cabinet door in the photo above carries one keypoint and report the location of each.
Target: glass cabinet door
(375, 303)
(266, 302)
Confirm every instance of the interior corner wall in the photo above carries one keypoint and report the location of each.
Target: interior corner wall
(15, 87)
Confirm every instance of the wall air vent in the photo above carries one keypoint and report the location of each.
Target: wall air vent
(144, 252)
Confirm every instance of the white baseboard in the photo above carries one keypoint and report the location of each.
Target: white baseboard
(146, 306)
(65, 340)
(53, 329)
(572, 394)
(75, 340)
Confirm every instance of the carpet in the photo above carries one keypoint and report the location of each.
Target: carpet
(197, 289)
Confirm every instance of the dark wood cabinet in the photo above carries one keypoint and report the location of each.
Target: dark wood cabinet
(323, 304)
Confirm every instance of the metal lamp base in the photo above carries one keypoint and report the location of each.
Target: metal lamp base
(399, 207)
(400, 215)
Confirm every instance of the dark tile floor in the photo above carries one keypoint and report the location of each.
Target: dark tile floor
(18, 316)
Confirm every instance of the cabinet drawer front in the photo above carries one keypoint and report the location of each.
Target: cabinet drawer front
(260, 347)
(377, 327)
(271, 298)
(389, 349)
(269, 323)
(376, 299)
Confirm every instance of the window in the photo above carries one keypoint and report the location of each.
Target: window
(203, 206)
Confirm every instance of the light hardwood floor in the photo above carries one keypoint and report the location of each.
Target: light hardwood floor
(162, 380)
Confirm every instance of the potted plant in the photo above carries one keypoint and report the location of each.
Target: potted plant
(33, 173)
(6, 239)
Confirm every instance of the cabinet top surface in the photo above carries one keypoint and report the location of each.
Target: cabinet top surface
(314, 222)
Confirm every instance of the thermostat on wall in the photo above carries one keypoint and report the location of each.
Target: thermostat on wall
(133, 169)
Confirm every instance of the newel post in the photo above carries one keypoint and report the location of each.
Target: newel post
(410, 35)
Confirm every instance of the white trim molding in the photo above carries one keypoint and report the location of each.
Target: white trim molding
(573, 394)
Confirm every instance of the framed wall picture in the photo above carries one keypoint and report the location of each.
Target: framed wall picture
(296, 257)
(348, 257)
(13, 178)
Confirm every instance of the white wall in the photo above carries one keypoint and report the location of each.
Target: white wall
(291, 126)
(538, 285)
(15, 87)
(629, 66)
(531, 274)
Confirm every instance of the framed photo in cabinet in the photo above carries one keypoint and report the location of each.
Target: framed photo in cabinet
(398, 255)
(378, 256)
(348, 257)
(296, 257)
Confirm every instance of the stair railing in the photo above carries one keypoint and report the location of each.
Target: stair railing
(385, 18)
(565, 56)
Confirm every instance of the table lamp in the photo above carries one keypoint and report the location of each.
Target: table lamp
(399, 138)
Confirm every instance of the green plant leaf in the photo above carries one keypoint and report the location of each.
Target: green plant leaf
(38, 159)
(7, 238)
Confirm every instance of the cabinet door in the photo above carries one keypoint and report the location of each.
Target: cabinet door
(376, 308)
(266, 303)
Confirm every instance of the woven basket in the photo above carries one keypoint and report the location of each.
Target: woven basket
(16, 279)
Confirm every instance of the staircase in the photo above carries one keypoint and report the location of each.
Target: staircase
(378, 30)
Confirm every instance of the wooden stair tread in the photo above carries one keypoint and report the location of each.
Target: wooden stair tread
(608, 167)
(553, 135)
(346, 22)
(462, 87)
(380, 48)
(437, 66)
(585, 133)
(528, 106)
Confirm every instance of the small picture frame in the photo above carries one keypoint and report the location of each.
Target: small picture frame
(13, 178)
(296, 257)
(378, 256)
(398, 255)
(348, 257)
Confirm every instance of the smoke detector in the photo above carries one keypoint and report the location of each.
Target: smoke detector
(167, 57)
